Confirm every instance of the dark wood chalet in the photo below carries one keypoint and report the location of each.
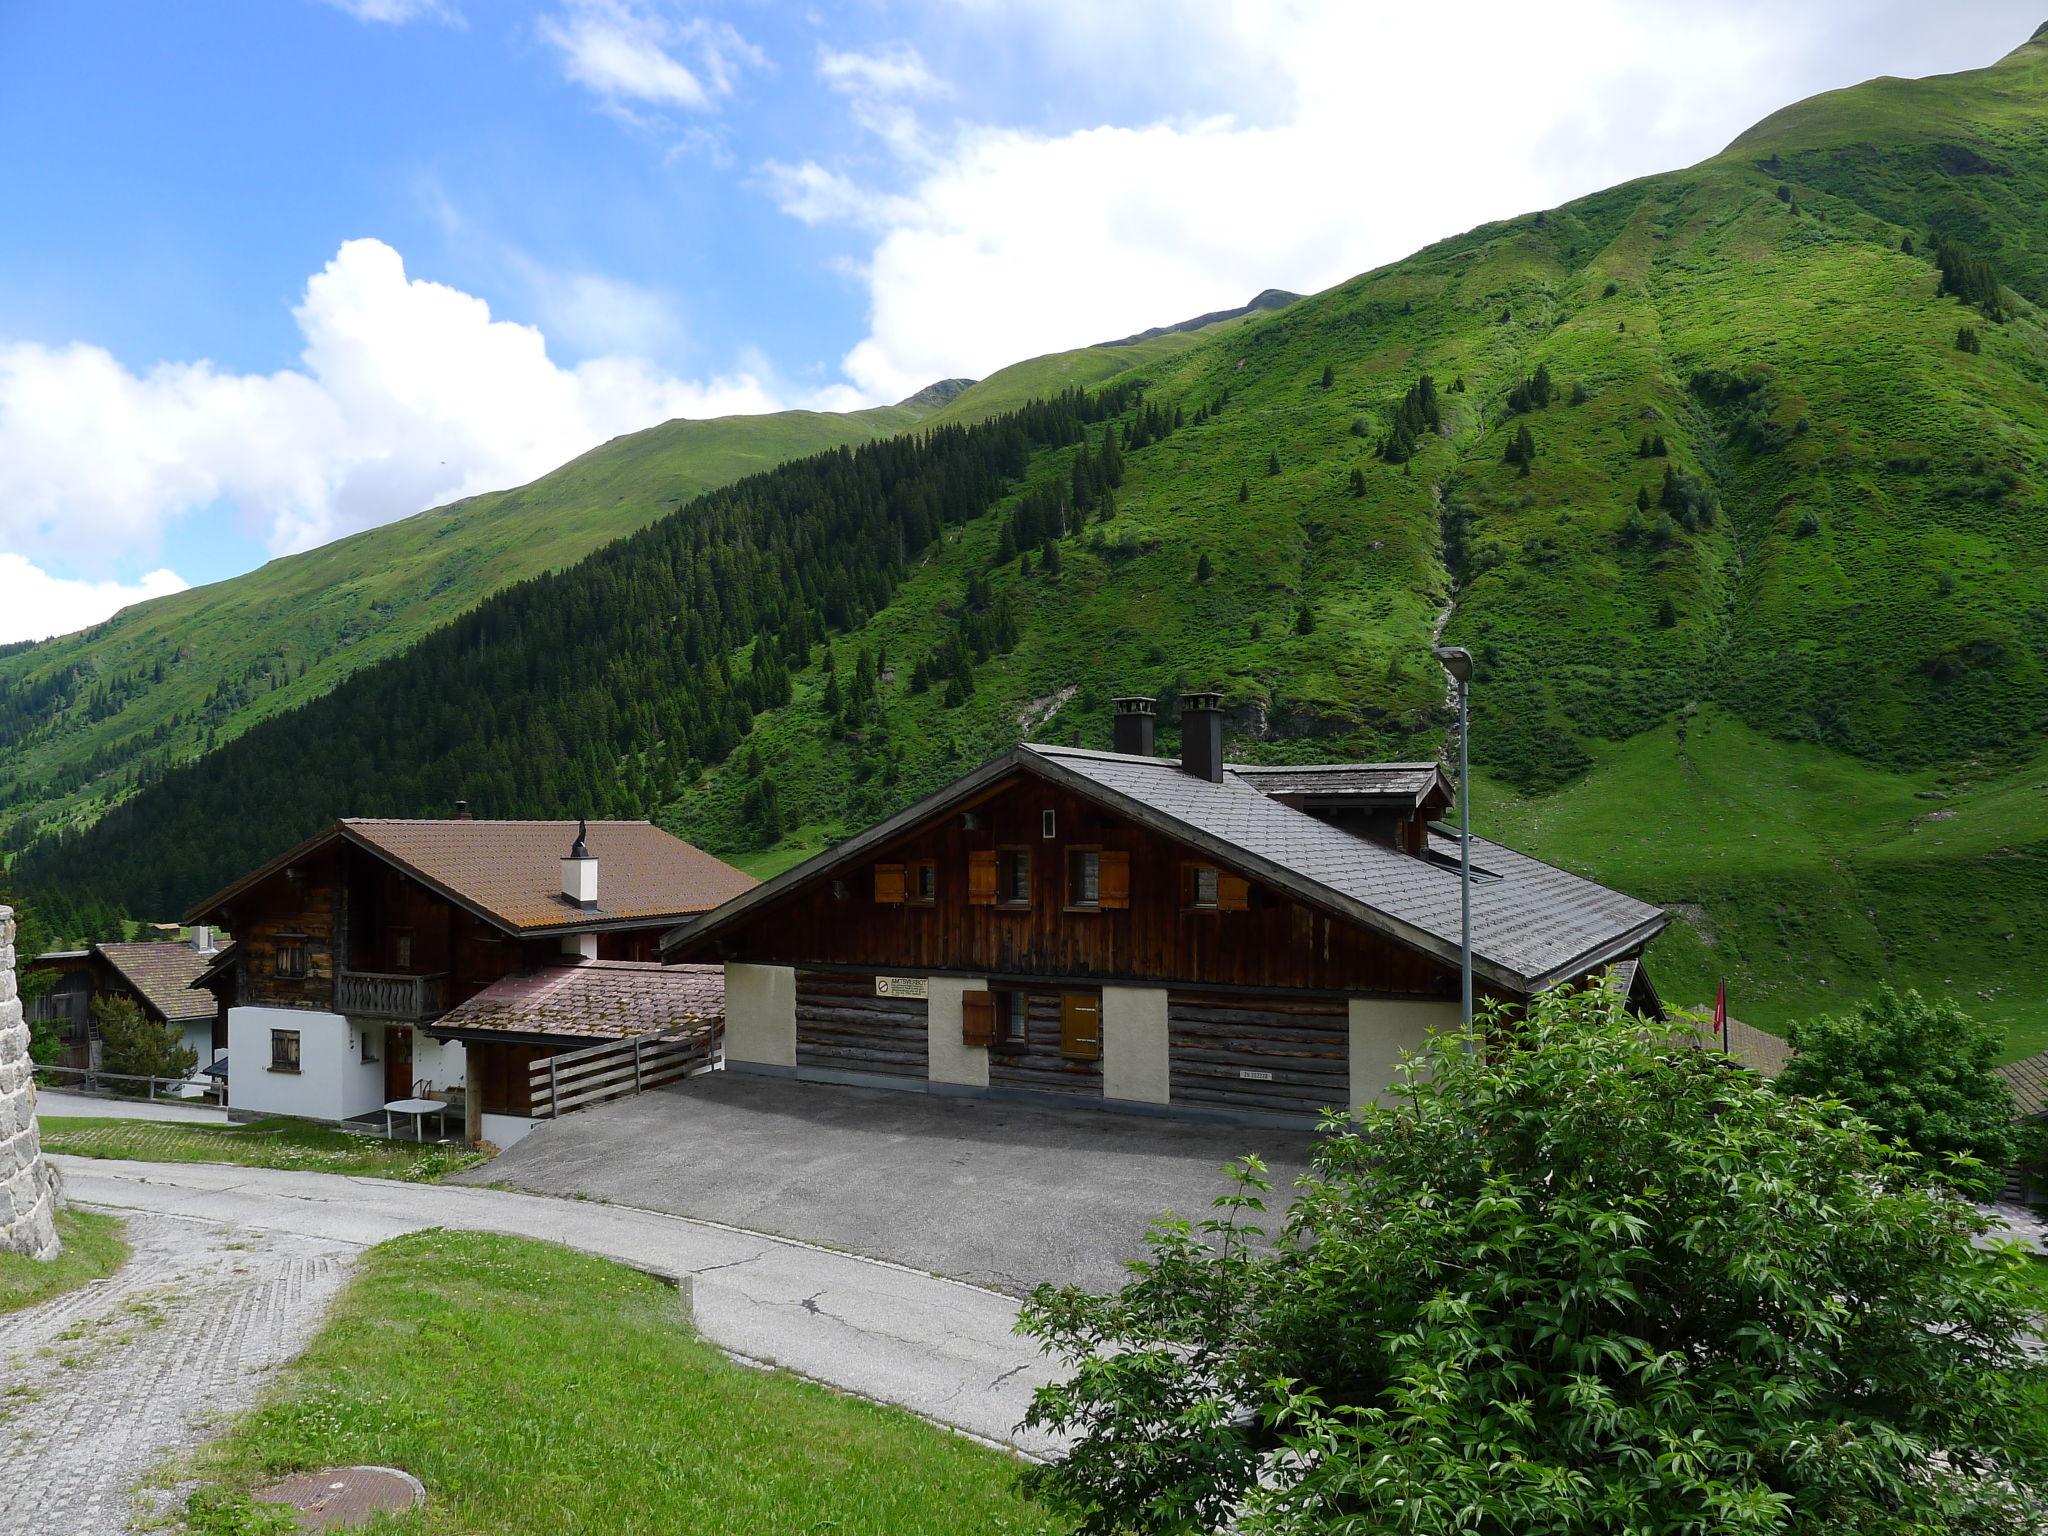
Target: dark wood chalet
(367, 959)
(156, 976)
(1118, 928)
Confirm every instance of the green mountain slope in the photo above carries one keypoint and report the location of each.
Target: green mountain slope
(1761, 615)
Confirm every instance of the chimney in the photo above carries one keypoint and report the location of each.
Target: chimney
(579, 870)
(1201, 735)
(1131, 725)
(462, 810)
(202, 939)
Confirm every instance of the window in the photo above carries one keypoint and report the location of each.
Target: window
(1013, 1021)
(401, 951)
(369, 1047)
(1084, 877)
(1013, 877)
(291, 957)
(1205, 888)
(923, 882)
(284, 1050)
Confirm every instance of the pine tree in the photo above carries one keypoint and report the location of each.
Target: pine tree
(1667, 615)
(1967, 341)
(1642, 498)
(1522, 451)
(1049, 558)
(1273, 461)
(1304, 620)
(1203, 569)
(1244, 490)
(1110, 461)
(1357, 481)
(1329, 376)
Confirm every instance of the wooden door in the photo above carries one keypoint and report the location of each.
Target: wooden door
(397, 1062)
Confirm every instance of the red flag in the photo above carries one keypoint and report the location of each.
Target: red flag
(1721, 1012)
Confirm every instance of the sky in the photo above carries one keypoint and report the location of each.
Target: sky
(275, 272)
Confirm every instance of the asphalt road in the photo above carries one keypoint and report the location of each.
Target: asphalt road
(944, 1350)
(998, 1194)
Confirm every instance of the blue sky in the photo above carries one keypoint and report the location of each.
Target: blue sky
(274, 272)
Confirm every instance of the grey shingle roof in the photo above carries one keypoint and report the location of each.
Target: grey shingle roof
(1387, 781)
(162, 975)
(1533, 925)
(2028, 1079)
(597, 999)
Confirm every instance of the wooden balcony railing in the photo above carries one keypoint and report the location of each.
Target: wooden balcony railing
(388, 995)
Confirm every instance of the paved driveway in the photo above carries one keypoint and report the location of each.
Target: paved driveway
(997, 1194)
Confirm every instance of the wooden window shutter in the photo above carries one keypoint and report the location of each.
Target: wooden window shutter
(981, 877)
(889, 884)
(1080, 1026)
(1113, 879)
(977, 1018)
(1233, 892)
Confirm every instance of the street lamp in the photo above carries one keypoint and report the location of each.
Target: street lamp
(1457, 661)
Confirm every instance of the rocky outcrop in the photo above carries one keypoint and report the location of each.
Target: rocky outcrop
(28, 1188)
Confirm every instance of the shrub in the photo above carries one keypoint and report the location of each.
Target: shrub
(1667, 615)
(1357, 481)
(1304, 620)
(1808, 524)
(1244, 490)
(1329, 376)
(1610, 290)
(1590, 1279)
(1204, 569)
(1920, 1071)
(1966, 340)
(135, 1044)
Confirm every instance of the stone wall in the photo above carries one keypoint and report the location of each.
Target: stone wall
(28, 1185)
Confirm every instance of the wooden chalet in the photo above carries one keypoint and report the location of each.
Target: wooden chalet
(1115, 928)
(157, 976)
(383, 960)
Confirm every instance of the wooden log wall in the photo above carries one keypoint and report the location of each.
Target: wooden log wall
(1277, 942)
(1040, 1066)
(842, 1026)
(1302, 1048)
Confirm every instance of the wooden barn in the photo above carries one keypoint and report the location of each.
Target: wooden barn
(391, 960)
(1120, 929)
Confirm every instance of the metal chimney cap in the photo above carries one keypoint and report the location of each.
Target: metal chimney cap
(1202, 700)
(1135, 704)
(580, 849)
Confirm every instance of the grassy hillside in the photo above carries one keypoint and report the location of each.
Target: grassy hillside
(1744, 517)
(1805, 706)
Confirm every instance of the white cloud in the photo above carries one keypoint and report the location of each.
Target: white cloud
(408, 395)
(35, 605)
(627, 53)
(398, 12)
(1356, 134)
(895, 70)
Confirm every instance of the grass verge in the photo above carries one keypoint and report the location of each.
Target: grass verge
(93, 1249)
(531, 1388)
(273, 1143)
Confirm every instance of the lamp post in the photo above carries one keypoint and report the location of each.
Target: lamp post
(1457, 661)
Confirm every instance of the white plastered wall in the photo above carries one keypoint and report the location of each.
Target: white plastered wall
(1382, 1030)
(1136, 1065)
(760, 1015)
(948, 1059)
(333, 1081)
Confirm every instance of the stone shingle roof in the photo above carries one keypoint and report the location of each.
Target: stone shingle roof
(509, 872)
(162, 975)
(1533, 925)
(2028, 1079)
(1408, 782)
(593, 1000)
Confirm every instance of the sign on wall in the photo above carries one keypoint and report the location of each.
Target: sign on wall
(902, 986)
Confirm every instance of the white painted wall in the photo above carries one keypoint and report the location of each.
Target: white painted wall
(1382, 1029)
(1135, 1060)
(760, 1015)
(948, 1059)
(333, 1081)
(503, 1130)
(443, 1063)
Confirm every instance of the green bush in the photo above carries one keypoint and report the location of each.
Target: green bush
(1921, 1072)
(1592, 1279)
(132, 1043)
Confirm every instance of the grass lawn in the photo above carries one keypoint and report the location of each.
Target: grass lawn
(93, 1249)
(274, 1143)
(531, 1388)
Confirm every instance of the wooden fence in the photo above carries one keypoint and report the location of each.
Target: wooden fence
(618, 1068)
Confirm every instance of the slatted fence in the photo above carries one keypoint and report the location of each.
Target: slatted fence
(618, 1068)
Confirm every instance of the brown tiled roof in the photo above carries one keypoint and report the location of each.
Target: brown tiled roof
(509, 872)
(1757, 1049)
(596, 1000)
(162, 975)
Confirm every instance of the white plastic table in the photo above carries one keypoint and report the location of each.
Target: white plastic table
(419, 1109)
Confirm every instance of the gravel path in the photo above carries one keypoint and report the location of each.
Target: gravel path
(96, 1385)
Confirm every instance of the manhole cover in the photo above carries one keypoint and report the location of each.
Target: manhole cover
(342, 1498)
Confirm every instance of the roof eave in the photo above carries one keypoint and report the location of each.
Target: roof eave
(1604, 953)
